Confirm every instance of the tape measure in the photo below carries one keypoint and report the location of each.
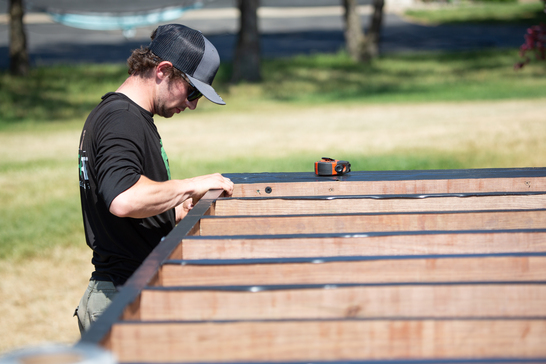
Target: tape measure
(331, 167)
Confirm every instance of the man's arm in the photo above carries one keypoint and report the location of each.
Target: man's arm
(149, 198)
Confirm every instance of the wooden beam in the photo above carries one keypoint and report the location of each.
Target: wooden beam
(328, 188)
(386, 270)
(390, 182)
(328, 340)
(276, 246)
(360, 223)
(331, 302)
(367, 204)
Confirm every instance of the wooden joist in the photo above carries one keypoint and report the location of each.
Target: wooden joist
(372, 244)
(362, 223)
(378, 203)
(392, 183)
(281, 302)
(388, 270)
(436, 266)
(327, 340)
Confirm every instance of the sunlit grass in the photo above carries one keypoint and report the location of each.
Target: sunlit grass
(459, 12)
(39, 208)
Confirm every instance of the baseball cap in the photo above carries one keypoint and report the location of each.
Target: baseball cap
(191, 53)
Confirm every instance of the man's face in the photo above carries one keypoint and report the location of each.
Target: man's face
(172, 97)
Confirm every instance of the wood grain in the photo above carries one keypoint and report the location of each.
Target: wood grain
(434, 301)
(328, 340)
(361, 223)
(408, 186)
(475, 269)
(366, 245)
(256, 207)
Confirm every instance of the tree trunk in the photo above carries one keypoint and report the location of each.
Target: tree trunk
(362, 47)
(371, 43)
(246, 62)
(354, 36)
(19, 62)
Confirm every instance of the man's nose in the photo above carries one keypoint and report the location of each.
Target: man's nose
(192, 104)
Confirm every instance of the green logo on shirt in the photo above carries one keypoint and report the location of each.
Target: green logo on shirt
(165, 159)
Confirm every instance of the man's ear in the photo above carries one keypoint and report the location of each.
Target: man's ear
(162, 71)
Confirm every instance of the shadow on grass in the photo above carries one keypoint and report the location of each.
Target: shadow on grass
(55, 93)
(425, 76)
(59, 93)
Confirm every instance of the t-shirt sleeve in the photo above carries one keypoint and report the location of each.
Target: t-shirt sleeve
(119, 157)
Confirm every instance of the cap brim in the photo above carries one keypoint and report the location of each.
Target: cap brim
(207, 91)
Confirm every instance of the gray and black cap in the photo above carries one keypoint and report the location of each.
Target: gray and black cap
(191, 53)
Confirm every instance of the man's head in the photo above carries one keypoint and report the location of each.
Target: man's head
(192, 55)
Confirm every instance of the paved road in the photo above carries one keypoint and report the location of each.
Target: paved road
(286, 30)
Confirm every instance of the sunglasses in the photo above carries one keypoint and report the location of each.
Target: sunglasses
(193, 93)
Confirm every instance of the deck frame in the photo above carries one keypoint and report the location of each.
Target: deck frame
(392, 185)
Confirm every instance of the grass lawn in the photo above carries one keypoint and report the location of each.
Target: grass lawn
(63, 94)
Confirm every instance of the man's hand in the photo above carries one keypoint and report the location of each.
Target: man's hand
(149, 198)
(202, 182)
(210, 182)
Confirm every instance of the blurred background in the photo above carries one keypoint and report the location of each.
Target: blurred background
(385, 84)
(103, 31)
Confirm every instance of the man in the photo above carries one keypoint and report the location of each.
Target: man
(129, 201)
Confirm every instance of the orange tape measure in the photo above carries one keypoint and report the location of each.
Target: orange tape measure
(331, 167)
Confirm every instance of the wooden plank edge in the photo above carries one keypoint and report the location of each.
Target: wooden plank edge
(430, 299)
(291, 205)
(228, 341)
(378, 243)
(493, 180)
(355, 258)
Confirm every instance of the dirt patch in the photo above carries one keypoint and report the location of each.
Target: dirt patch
(39, 296)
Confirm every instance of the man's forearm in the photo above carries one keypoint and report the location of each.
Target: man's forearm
(149, 198)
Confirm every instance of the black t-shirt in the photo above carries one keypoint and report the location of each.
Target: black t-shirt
(119, 143)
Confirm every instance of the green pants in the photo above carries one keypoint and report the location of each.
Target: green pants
(97, 296)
